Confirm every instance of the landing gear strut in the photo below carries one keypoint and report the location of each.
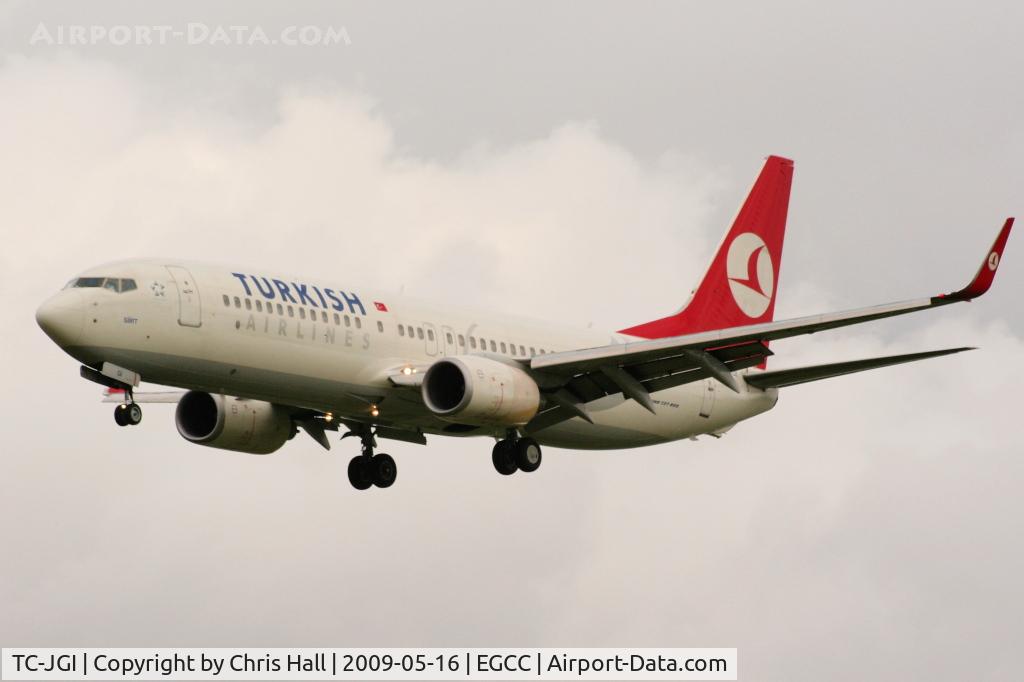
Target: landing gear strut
(368, 469)
(128, 413)
(513, 454)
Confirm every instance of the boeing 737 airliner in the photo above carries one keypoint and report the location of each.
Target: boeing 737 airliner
(261, 355)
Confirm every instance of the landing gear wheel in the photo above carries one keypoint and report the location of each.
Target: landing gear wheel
(359, 473)
(121, 415)
(527, 454)
(384, 470)
(133, 414)
(503, 457)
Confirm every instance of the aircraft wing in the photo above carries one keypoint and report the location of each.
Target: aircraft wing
(638, 368)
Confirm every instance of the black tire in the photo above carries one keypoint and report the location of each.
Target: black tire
(359, 473)
(121, 415)
(133, 414)
(528, 455)
(384, 470)
(503, 457)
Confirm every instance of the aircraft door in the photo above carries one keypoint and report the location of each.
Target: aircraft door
(448, 346)
(707, 399)
(190, 313)
(430, 338)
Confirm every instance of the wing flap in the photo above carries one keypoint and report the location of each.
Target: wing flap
(801, 375)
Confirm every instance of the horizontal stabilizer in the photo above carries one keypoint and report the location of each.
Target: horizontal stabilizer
(801, 375)
(115, 395)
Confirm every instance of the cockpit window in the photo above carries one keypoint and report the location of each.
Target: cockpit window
(116, 284)
(88, 282)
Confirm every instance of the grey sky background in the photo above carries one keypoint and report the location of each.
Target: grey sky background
(573, 162)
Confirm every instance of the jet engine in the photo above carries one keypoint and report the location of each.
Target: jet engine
(229, 423)
(477, 390)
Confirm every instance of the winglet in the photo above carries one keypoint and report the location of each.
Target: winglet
(987, 272)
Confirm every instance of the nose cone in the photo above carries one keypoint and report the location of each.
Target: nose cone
(62, 318)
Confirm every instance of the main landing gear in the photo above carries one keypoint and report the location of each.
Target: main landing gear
(513, 454)
(128, 413)
(368, 469)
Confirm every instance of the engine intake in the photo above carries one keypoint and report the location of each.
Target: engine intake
(476, 390)
(229, 423)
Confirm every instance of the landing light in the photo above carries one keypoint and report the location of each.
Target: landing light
(329, 417)
(407, 371)
(374, 411)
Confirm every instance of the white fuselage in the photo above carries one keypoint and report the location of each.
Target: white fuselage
(320, 346)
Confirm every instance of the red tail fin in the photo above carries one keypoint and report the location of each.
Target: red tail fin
(740, 285)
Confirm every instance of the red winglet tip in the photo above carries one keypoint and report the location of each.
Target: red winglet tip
(987, 272)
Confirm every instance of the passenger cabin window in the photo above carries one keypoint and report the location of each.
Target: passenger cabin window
(238, 303)
(462, 340)
(504, 348)
(280, 310)
(419, 332)
(248, 304)
(380, 326)
(337, 319)
(302, 313)
(348, 321)
(227, 301)
(291, 311)
(401, 330)
(448, 336)
(532, 352)
(359, 323)
(430, 334)
(323, 316)
(494, 346)
(259, 306)
(472, 342)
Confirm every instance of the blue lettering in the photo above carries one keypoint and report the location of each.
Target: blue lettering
(337, 304)
(245, 285)
(352, 302)
(304, 298)
(268, 292)
(285, 294)
(322, 301)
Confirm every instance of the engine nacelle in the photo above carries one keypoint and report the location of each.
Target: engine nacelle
(476, 390)
(229, 423)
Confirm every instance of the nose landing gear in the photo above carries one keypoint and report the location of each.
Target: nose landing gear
(128, 413)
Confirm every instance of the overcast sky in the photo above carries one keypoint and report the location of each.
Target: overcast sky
(574, 162)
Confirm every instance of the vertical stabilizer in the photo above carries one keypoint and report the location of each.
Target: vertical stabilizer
(740, 285)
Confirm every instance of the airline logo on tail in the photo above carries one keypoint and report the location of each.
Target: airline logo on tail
(751, 274)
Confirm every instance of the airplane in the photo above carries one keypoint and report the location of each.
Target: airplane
(255, 356)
